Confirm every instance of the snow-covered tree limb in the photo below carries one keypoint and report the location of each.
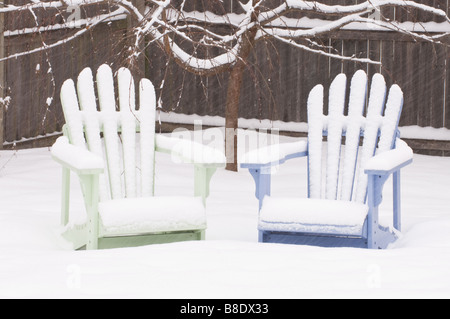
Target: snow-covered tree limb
(167, 24)
(208, 43)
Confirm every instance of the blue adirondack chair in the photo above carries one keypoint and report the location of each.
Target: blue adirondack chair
(345, 179)
(113, 153)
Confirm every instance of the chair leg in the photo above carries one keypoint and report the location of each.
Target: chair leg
(65, 196)
(91, 187)
(374, 233)
(260, 236)
(397, 203)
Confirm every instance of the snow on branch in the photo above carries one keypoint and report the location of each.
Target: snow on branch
(345, 16)
(182, 33)
(44, 46)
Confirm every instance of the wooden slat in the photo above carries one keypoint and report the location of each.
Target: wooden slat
(127, 104)
(423, 75)
(336, 66)
(72, 113)
(406, 73)
(335, 126)
(303, 87)
(377, 98)
(105, 85)
(88, 106)
(374, 53)
(437, 95)
(315, 120)
(390, 121)
(147, 108)
(357, 101)
(447, 89)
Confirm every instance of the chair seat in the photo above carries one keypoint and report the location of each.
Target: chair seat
(306, 215)
(151, 215)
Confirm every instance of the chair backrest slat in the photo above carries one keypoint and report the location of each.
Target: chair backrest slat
(86, 96)
(388, 130)
(315, 129)
(110, 119)
(128, 124)
(345, 178)
(72, 114)
(354, 126)
(147, 106)
(130, 170)
(373, 122)
(88, 106)
(335, 126)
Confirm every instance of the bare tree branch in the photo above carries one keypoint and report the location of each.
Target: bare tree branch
(167, 25)
(206, 43)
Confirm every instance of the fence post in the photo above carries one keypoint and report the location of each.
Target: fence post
(2, 74)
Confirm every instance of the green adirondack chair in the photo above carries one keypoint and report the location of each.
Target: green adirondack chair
(113, 154)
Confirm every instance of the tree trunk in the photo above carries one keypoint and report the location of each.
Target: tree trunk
(234, 93)
(232, 114)
(234, 86)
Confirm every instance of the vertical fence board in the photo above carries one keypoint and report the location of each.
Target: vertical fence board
(2, 76)
(437, 81)
(374, 48)
(447, 89)
(407, 74)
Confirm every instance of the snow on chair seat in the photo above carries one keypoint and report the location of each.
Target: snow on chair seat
(312, 216)
(350, 157)
(112, 150)
(151, 215)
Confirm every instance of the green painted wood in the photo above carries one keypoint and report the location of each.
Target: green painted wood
(149, 239)
(91, 200)
(65, 196)
(202, 176)
(85, 126)
(76, 235)
(78, 171)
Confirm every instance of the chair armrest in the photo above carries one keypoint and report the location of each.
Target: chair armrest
(379, 168)
(273, 155)
(390, 161)
(260, 161)
(77, 159)
(190, 152)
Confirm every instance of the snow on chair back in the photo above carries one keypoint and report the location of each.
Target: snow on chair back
(343, 176)
(86, 124)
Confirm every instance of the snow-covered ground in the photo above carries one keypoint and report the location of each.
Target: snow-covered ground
(230, 263)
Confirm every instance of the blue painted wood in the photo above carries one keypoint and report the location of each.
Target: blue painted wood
(274, 163)
(389, 172)
(261, 174)
(397, 201)
(375, 185)
(377, 235)
(373, 235)
(312, 239)
(262, 179)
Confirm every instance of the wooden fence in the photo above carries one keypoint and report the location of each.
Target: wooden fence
(277, 83)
